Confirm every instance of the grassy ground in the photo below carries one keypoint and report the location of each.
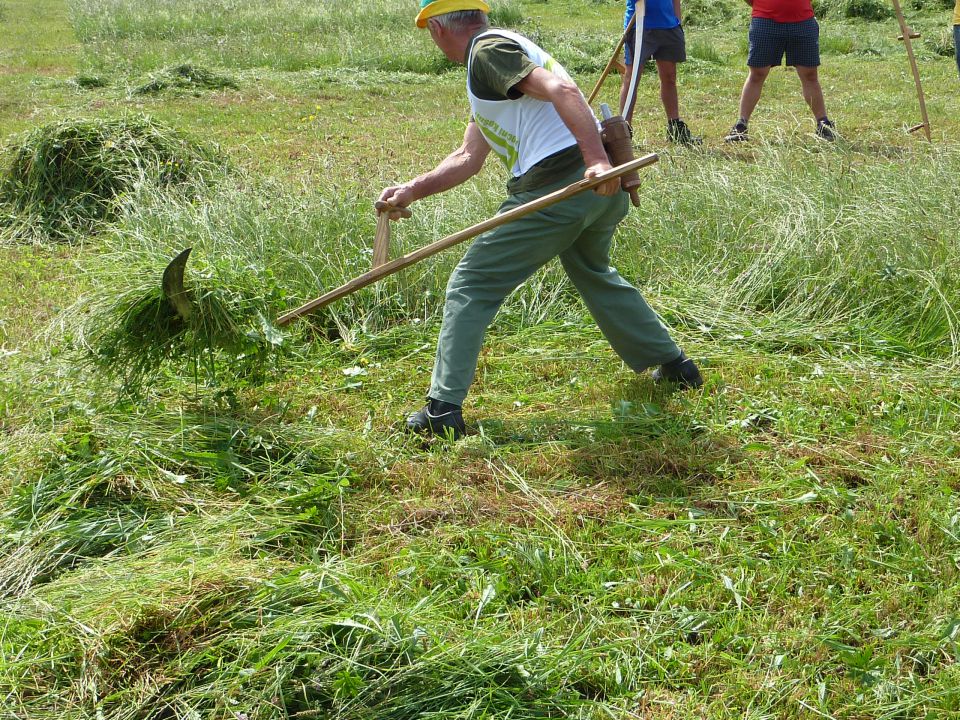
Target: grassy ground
(236, 544)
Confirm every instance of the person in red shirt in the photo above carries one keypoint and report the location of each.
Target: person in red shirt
(778, 28)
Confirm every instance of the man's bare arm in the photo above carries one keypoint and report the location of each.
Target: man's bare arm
(570, 104)
(458, 167)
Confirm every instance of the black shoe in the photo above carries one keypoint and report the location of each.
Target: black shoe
(679, 133)
(438, 418)
(683, 371)
(738, 133)
(826, 130)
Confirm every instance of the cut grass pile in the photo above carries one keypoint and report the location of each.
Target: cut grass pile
(90, 82)
(132, 332)
(69, 177)
(185, 77)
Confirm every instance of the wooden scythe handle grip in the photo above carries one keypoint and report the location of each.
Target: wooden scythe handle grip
(382, 207)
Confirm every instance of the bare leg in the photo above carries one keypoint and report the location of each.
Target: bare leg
(812, 92)
(668, 88)
(750, 95)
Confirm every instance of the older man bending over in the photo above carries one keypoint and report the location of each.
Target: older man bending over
(531, 114)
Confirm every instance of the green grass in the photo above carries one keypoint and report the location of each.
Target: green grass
(269, 544)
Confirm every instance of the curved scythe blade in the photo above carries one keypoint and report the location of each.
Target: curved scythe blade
(173, 289)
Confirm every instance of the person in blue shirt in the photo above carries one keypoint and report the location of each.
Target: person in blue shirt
(662, 40)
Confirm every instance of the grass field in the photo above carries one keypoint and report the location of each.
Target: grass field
(247, 533)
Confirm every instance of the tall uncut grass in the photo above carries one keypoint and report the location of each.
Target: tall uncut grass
(804, 249)
(800, 251)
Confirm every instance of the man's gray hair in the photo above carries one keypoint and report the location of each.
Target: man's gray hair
(460, 20)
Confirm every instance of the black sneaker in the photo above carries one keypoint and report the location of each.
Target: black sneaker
(826, 130)
(738, 133)
(438, 418)
(683, 371)
(679, 133)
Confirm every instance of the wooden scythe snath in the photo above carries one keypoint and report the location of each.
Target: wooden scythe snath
(396, 265)
(906, 34)
(612, 63)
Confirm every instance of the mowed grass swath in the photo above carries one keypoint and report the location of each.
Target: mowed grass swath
(250, 535)
(279, 34)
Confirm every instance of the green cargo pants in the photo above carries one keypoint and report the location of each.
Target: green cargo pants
(578, 230)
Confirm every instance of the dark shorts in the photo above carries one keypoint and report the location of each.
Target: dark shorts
(771, 40)
(956, 44)
(660, 44)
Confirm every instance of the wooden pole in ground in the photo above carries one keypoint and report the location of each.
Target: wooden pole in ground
(416, 256)
(905, 35)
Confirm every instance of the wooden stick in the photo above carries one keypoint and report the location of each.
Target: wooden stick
(381, 241)
(416, 256)
(906, 35)
(613, 59)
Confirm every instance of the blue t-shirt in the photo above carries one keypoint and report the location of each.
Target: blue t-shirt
(658, 16)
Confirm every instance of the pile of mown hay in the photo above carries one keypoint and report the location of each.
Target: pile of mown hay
(132, 334)
(67, 177)
(89, 82)
(184, 77)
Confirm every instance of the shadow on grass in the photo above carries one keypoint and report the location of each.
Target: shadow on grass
(641, 447)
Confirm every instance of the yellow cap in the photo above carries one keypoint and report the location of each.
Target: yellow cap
(430, 8)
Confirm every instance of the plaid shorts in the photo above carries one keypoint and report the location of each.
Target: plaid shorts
(658, 43)
(770, 40)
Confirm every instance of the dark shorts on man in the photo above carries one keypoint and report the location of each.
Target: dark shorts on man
(660, 44)
(956, 44)
(771, 40)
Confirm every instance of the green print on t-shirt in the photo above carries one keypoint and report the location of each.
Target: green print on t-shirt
(503, 142)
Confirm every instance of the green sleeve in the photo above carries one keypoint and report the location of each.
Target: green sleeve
(498, 65)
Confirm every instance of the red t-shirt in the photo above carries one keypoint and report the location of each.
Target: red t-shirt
(783, 10)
